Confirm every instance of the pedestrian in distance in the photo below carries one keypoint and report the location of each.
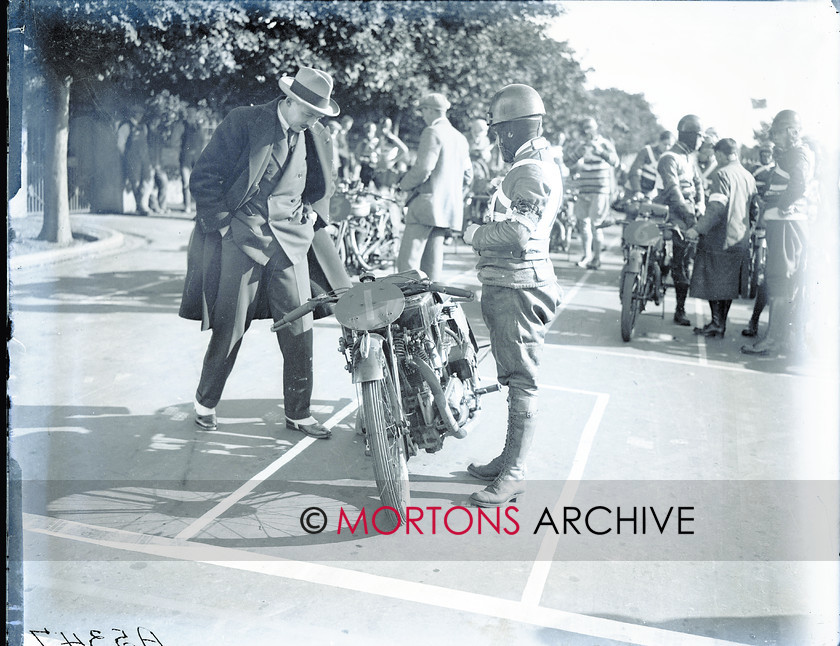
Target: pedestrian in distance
(133, 143)
(261, 186)
(520, 294)
(762, 173)
(722, 233)
(436, 186)
(682, 192)
(786, 211)
(193, 141)
(594, 160)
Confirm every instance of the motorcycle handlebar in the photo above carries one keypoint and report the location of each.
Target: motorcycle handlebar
(301, 311)
(452, 291)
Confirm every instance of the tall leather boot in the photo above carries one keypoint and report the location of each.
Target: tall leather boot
(724, 312)
(716, 327)
(758, 308)
(510, 482)
(778, 326)
(492, 469)
(679, 314)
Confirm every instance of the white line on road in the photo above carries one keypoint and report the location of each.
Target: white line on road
(701, 340)
(535, 585)
(200, 523)
(373, 584)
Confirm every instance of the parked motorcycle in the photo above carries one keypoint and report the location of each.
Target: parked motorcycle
(564, 224)
(367, 229)
(758, 260)
(412, 356)
(647, 255)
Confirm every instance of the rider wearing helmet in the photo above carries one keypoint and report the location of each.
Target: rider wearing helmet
(520, 295)
(761, 172)
(682, 191)
(786, 221)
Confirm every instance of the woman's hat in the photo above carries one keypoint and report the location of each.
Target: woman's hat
(313, 88)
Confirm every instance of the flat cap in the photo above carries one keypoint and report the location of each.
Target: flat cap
(434, 100)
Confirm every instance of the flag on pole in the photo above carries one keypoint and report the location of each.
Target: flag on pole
(757, 104)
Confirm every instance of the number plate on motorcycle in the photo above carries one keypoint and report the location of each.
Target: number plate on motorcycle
(368, 306)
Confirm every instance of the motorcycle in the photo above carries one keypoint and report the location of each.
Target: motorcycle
(367, 229)
(564, 224)
(412, 356)
(758, 260)
(647, 255)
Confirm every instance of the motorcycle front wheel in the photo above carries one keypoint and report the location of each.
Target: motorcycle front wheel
(387, 451)
(629, 304)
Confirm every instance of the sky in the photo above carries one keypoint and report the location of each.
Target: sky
(712, 58)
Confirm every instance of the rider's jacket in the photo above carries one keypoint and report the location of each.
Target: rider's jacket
(682, 185)
(644, 173)
(787, 189)
(762, 176)
(513, 245)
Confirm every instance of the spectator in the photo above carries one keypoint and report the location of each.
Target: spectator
(160, 180)
(346, 163)
(193, 141)
(257, 208)
(707, 163)
(133, 143)
(594, 160)
(721, 266)
(393, 156)
(436, 186)
(366, 155)
(762, 173)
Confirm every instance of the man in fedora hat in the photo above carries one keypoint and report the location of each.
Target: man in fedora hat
(261, 187)
(436, 184)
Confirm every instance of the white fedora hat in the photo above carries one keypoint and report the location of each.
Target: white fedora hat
(312, 87)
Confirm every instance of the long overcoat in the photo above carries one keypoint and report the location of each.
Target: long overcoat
(241, 146)
(721, 266)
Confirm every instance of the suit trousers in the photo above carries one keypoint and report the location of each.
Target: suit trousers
(287, 287)
(422, 248)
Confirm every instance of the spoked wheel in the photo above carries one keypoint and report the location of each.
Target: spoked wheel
(387, 450)
(756, 270)
(629, 304)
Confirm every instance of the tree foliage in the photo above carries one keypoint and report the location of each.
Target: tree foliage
(383, 56)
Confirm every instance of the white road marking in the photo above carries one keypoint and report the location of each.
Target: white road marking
(701, 340)
(535, 585)
(373, 584)
(200, 523)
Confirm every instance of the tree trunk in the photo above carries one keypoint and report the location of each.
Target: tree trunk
(56, 227)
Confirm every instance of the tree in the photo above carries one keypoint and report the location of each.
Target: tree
(382, 55)
(626, 118)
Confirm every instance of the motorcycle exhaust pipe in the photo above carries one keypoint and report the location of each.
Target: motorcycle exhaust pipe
(431, 378)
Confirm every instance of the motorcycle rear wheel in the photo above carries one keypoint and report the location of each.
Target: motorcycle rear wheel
(757, 263)
(387, 450)
(629, 304)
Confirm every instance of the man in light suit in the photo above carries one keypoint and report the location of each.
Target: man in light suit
(436, 185)
(260, 187)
